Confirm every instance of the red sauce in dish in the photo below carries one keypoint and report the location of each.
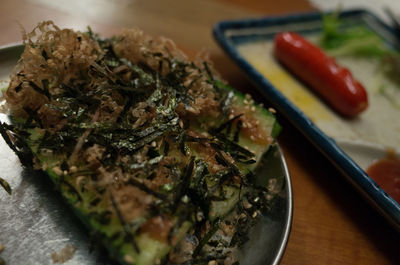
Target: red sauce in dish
(386, 172)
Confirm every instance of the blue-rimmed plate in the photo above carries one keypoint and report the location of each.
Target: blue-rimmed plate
(249, 43)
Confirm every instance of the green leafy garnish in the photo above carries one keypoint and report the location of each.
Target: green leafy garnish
(356, 40)
(340, 40)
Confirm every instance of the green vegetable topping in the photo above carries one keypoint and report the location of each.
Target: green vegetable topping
(153, 152)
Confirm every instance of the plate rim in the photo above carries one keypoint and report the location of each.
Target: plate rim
(289, 208)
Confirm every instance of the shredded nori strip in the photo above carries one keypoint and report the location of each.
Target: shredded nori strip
(206, 238)
(121, 218)
(18, 145)
(69, 188)
(5, 185)
(146, 189)
(230, 146)
(39, 90)
(184, 183)
(225, 125)
(18, 88)
(238, 128)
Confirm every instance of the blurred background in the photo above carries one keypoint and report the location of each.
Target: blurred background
(176, 19)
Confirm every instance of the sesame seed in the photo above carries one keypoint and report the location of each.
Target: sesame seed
(185, 199)
(247, 205)
(212, 262)
(231, 116)
(181, 123)
(247, 96)
(245, 102)
(153, 144)
(199, 216)
(129, 259)
(253, 109)
(254, 215)
(191, 109)
(73, 169)
(205, 134)
(57, 170)
(272, 110)
(46, 151)
(252, 137)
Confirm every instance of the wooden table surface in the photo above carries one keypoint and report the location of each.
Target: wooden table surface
(332, 224)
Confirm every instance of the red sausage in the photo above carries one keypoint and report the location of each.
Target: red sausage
(333, 83)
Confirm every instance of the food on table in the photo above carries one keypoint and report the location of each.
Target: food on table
(358, 41)
(361, 42)
(375, 124)
(386, 172)
(333, 83)
(154, 153)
